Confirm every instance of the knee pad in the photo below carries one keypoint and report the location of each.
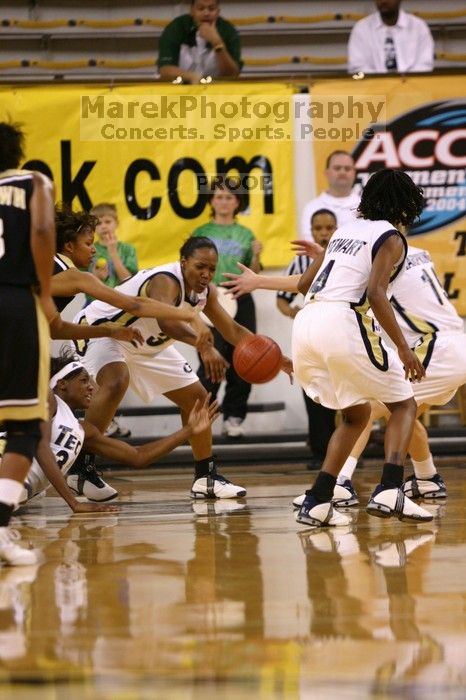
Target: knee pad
(22, 437)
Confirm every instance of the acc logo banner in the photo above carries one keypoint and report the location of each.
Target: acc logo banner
(421, 130)
(429, 143)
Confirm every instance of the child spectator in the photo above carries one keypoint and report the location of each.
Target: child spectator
(114, 261)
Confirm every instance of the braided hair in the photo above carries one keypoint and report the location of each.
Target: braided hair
(393, 196)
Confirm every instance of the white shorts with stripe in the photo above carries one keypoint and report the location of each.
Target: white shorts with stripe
(150, 375)
(340, 361)
(444, 357)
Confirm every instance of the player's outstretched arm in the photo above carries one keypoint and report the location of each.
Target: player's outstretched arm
(72, 281)
(248, 281)
(200, 418)
(63, 330)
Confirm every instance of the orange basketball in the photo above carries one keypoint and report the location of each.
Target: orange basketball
(257, 359)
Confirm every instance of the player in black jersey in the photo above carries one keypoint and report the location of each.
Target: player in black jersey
(27, 247)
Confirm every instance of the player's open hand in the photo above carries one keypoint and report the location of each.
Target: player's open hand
(414, 369)
(205, 338)
(127, 334)
(309, 248)
(240, 283)
(215, 364)
(203, 415)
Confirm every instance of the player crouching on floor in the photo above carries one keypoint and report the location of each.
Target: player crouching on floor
(65, 436)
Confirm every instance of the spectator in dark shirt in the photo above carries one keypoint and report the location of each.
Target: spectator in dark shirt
(199, 45)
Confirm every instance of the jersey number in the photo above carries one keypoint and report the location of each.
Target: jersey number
(2, 240)
(434, 284)
(61, 457)
(320, 281)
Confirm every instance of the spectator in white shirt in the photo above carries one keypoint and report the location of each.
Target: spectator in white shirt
(339, 197)
(390, 41)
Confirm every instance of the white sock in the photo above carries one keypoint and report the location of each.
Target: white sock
(425, 469)
(10, 491)
(347, 470)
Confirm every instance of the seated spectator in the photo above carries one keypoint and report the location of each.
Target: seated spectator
(199, 44)
(390, 41)
(339, 196)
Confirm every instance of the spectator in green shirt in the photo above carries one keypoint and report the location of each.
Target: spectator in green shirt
(114, 261)
(235, 243)
(199, 44)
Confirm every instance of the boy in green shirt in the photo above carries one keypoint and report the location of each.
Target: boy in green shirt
(114, 261)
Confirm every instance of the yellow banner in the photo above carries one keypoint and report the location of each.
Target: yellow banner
(417, 124)
(153, 149)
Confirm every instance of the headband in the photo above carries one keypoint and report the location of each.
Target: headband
(64, 372)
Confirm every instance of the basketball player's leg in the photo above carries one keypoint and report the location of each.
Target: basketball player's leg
(445, 373)
(24, 374)
(316, 509)
(426, 482)
(105, 362)
(112, 383)
(388, 499)
(207, 482)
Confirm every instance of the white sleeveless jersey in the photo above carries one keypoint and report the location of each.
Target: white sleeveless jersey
(346, 267)
(66, 441)
(154, 339)
(419, 300)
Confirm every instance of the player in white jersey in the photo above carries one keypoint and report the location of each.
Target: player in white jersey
(156, 367)
(340, 358)
(71, 390)
(75, 251)
(434, 330)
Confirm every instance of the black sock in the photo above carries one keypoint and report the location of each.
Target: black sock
(5, 514)
(392, 475)
(323, 487)
(83, 460)
(203, 467)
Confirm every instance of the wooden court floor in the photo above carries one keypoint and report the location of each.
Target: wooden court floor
(173, 599)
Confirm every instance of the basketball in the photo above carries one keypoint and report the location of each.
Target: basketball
(257, 359)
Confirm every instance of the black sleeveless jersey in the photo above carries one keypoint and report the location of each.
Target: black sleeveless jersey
(16, 261)
(61, 263)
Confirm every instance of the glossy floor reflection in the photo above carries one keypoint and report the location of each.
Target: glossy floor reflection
(173, 599)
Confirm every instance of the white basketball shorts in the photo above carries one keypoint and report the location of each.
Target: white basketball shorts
(340, 361)
(150, 375)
